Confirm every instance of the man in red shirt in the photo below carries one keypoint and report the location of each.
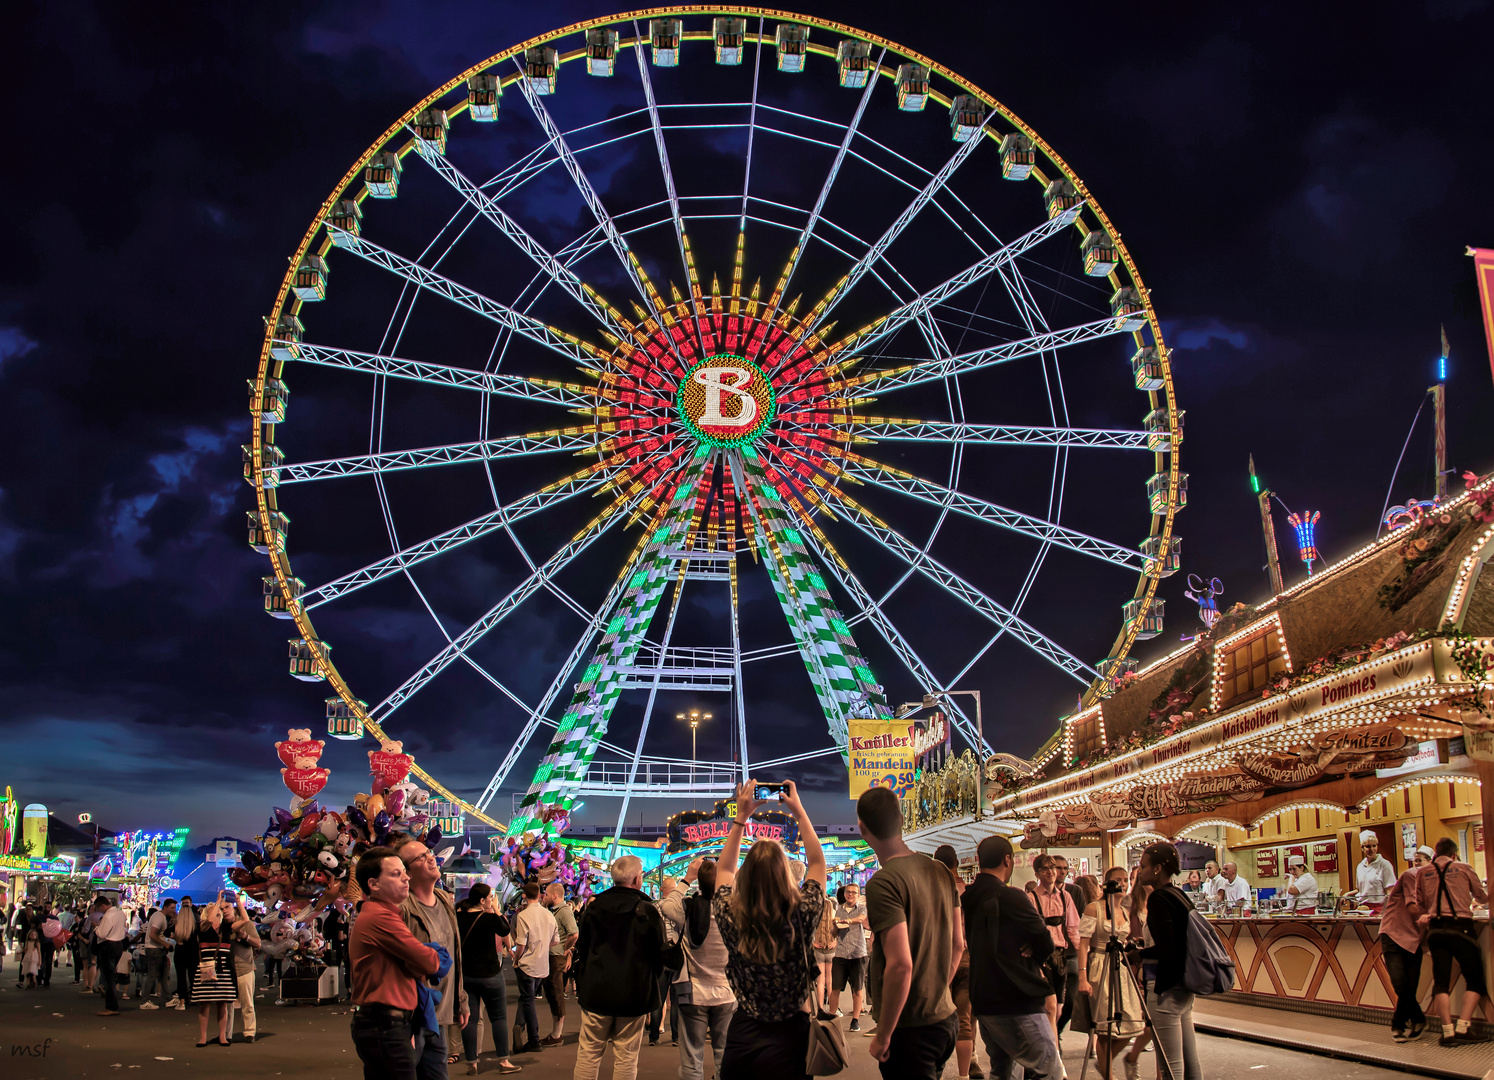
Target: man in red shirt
(384, 963)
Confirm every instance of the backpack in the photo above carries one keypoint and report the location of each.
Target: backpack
(1208, 969)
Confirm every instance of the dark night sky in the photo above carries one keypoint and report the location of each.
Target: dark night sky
(1296, 187)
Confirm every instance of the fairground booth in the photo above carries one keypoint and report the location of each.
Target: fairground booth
(1356, 701)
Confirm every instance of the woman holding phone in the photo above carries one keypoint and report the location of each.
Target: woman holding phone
(216, 988)
(767, 923)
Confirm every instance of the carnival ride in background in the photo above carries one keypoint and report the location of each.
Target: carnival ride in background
(963, 332)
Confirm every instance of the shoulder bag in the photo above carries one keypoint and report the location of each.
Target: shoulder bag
(826, 1054)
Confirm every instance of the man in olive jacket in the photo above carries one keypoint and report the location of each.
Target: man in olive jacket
(431, 917)
(619, 961)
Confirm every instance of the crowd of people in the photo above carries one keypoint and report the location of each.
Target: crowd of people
(178, 955)
(751, 957)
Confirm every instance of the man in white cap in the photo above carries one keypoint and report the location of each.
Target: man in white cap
(1374, 874)
(1302, 889)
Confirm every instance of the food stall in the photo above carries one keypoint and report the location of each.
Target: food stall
(1359, 700)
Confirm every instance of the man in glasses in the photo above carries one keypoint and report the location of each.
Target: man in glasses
(431, 916)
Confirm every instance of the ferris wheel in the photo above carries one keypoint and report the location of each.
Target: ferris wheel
(734, 305)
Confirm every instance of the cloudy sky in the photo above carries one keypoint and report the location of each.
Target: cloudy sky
(1297, 188)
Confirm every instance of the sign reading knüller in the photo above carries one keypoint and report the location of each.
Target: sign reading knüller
(881, 755)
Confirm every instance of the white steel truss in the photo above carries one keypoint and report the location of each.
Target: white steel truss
(883, 429)
(545, 442)
(1047, 531)
(570, 395)
(930, 370)
(566, 345)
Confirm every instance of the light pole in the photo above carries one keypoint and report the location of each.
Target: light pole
(929, 701)
(695, 716)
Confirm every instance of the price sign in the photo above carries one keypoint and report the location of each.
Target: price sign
(1324, 857)
(1267, 863)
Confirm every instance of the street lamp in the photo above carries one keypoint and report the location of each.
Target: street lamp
(929, 701)
(695, 716)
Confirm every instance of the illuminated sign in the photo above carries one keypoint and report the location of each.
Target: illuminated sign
(695, 827)
(726, 400)
(8, 811)
(881, 755)
(62, 864)
(145, 854)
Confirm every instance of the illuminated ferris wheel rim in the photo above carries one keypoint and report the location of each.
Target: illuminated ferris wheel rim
(1161, 398)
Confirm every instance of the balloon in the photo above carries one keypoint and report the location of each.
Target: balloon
(301, 749)
(305, 782)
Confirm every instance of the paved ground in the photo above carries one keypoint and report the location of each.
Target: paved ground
(55, 1033)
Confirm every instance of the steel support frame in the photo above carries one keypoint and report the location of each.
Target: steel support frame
(586, 718)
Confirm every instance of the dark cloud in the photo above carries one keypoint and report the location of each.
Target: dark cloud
(1298, 206)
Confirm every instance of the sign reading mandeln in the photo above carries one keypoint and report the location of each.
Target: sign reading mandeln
(881, 755)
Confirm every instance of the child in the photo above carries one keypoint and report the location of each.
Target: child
(31, 960)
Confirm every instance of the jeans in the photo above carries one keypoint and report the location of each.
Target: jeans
(696, 1020)
(626, 1035)
(155, 972)
(529, 989)
(430, 1054)
(667, 993)
(48, 950)
(108, 954)
(764, 1049)
(1172, 1025)
(383, 1045)
(921, 1052)
(488, 990)
(1025, 1040)
(246, 1006)
(1404, 969)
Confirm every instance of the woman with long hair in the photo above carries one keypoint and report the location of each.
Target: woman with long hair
(767, 921)
(1136, 919)
(485, 934)
(824, 958)
(215, 987)
(185, 955)
(1096, 927)
(1090, 887)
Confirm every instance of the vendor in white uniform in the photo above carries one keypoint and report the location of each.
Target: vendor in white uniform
(1374, 874)
(1212, 879)
(1302, 888)
(1232, 888)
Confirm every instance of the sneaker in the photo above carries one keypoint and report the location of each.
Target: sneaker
(180, 1006)
(171, 1004)
(550, 1040)
(1131, 1067)
(975, 1069)
(825, 1015)
(1414, 1031)
(855, 1024)
(1399, 1036)
(149, 1005)
(839, 1013)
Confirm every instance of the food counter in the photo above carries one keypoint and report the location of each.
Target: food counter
(1321, 959)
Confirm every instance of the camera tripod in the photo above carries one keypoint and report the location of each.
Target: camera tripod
(1115, 971)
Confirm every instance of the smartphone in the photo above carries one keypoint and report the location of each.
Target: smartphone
(764, 792)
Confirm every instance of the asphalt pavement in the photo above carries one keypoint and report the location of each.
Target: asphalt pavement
(56, 1033)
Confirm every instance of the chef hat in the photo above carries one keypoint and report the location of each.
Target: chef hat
(1296, 860)
(1367, 835)
(1428, 852)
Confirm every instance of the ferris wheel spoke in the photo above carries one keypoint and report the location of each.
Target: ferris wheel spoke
(881, 428)
(871, 611)
(569, 395)
(557, 141)
(819, 204)
(567, 345)
(878, 249)
(883, 476)
(931, 370)
(587, 480)
(459, 645)
(962, 590)
(561, 274)
(576, 440)
(663, 151)
(583, 646)
(977, 271)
